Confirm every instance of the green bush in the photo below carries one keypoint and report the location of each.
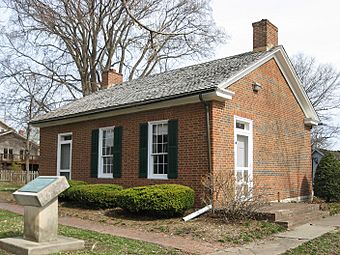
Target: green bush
(94, 195)
(165, 200)
(327, 178)
(65, 195)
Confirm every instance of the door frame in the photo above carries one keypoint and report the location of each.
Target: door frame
(249, 133)
(59, 149)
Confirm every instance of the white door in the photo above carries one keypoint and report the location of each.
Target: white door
(64, 157)
(243, 158)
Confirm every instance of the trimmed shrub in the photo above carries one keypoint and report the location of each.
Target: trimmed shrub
(165, 200)
(72, 183)
(327, 178)
(95, 195)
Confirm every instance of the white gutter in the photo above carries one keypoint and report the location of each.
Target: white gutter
(197, 213)
(220, 95)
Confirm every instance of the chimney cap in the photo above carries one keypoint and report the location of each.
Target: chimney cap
(264, 21)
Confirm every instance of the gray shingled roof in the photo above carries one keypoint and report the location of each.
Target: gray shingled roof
(176, 83)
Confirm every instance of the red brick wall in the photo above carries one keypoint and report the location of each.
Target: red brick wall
(281, 154)
(192, 146)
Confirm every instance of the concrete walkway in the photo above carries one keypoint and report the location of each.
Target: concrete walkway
(282, 242)
(181, 243)
(276, 244)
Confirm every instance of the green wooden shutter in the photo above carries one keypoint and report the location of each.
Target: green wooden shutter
(117, 152)
(143, 150)
(172, 149)
(94, 153)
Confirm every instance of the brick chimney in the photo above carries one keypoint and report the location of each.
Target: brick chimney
(110, 78)
(265, 35)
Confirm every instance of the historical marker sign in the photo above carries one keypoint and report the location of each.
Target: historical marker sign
(38, 184)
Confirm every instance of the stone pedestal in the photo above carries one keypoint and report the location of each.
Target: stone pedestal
(41, 223)
(40, 201)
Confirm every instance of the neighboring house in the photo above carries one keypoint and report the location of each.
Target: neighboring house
(12, 150)
(247, 114)
(317, 155)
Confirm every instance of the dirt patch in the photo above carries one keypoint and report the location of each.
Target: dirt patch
(204, 228)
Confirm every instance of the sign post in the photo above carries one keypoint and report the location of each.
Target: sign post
(40, 200)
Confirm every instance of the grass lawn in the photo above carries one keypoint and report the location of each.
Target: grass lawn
(326, 244)
(95, 243)
(9, 187)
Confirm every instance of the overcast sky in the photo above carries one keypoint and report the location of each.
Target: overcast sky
(308, 26)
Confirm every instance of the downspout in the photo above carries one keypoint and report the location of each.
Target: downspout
(207, 120)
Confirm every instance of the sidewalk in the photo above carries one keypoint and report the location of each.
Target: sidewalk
(277, 244)
(181, 243)
(282, 242)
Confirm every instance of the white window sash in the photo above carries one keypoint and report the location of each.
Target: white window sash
(101, 173)
(60, 142)
(249, 133)
(151, 174)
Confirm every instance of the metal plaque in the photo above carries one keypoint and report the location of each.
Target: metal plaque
(37, 184)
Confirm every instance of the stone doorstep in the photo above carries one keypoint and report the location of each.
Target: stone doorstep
(301, 219)
(284, 211)
(291, 214)
(20, 246)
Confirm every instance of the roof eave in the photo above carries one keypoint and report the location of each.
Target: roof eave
(208, 95)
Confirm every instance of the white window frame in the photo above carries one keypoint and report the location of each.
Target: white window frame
(151, 175)
(100, 145)
(58, 153)
(249, 133)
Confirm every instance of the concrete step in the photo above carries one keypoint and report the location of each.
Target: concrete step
(301, 219)
(281, 214)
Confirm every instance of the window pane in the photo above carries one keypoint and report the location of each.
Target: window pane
(240, 125)
(242, 151)
(66, 174)
(245, 176)
(65, 157)
(107, 142)
(66, 137)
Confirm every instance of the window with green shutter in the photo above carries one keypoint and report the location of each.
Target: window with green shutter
(158, 149)
(106, 152)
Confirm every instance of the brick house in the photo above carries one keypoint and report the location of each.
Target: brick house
(247, 114)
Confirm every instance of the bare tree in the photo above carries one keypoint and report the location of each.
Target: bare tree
(71, 42)
(229, 201)
(28, 96)
(322, 85)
